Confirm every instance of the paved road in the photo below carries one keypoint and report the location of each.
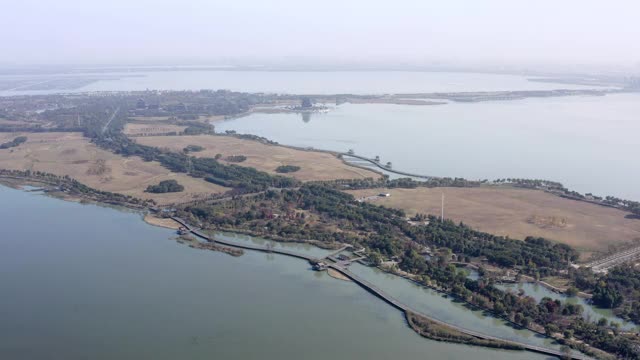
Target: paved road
(113, 115)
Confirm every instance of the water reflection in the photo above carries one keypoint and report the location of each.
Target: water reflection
(306, 117)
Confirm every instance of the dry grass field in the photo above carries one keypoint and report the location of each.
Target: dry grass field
(519, 213)
(4, 121)
(159, 119)
(72, 154)
(150, 118)
(135, 129)
(313, 165)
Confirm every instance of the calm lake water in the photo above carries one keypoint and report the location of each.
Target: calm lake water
(89, 282)
(590, 144)
(292, 82)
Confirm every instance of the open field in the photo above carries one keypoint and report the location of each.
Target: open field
(313, 165)
(133, 129)
(159, 119)
(518, 213)
(72, 154)
(150, 118)
(4, 121)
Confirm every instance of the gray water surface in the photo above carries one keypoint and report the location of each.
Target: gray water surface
(89, 282)
(590, 144)
(290, 82)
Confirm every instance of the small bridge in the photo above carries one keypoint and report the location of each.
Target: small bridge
(374, 290)
(405, 308)
(208, 238)
(334, 253)
(383, 167)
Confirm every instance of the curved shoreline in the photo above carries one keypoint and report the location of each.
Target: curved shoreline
(379, 293)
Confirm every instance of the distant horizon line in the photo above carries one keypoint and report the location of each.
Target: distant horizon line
(27, 69)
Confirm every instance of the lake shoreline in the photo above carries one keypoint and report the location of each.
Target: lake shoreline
(232, 250)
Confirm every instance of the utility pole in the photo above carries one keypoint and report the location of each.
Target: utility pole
(442, 209)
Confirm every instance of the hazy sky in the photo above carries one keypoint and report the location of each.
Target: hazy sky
(202, 31)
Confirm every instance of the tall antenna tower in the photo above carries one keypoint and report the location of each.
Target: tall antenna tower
(442, 209)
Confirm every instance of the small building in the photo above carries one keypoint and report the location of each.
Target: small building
(182, 230)
(319, 266)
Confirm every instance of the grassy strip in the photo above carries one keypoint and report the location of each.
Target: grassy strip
(436, 331)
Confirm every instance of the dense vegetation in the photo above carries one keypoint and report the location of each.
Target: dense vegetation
(192, 148)
(619, 289)
(406, 183)
(631, 206)
(284, 169)
(13, 143)
(65, 184)
(380, 228)
(236, 158)
(165, 186)
(316, 211)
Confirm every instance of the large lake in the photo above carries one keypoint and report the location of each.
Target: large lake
(590, 144)
(291, 82)
(89, 282)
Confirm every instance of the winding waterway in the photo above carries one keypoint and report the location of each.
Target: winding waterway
(84, 281)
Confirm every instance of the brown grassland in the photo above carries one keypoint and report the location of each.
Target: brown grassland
(518, 213)
(161, 119)
(72, 154)
(4, 121)
(313, 165)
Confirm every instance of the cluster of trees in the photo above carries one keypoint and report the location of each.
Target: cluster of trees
(405, 183)
(631, 206)
(261, 139)
(189, 104)
(532, 183)
(554, 316)
(165, 186)
(385, 233)
(13, 143)
(284, 169)
(71, 186)
(192, 148)
(243, 179)
(196, 128)
(236, 158)
(533, 255)
(619, 289)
